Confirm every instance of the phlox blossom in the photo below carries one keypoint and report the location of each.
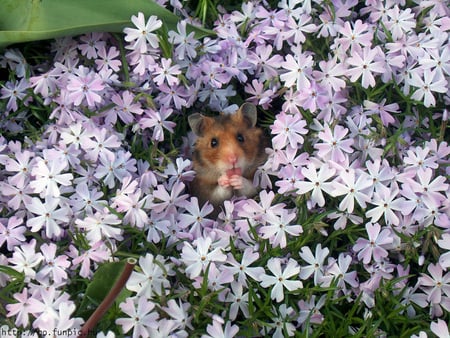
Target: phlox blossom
(364, 64)
(374, 247)
(142, 34)
(278, 227)
(298, 71)
(141, 317)
(317, 182)
(280, 278)
(353, 186)
(334, 145)
(288, 130)
(426, 84)
(12, 233)
(199, 258)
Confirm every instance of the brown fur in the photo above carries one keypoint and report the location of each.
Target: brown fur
(210, 163)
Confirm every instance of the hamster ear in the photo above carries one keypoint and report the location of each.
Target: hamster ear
(248, 111)
(196, 122)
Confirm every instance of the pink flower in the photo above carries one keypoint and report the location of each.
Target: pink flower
(26, 304)
(440, 329)
(54, 267)
(280, 278)
(374, 246)
(400, 22)
(354, 38)
(14, 92)
(106, 59)
(215, 330)
(100, 225)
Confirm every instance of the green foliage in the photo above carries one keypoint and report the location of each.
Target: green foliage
(32, 20)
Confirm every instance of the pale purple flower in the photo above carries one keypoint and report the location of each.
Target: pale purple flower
(400, 22)
(101, 142)
(199, 258)
(316, 262)
(266, 63)
(152, 279)
(317, 183)
(26, 304)
(280, 279)
(141, 316)
(278, 227)
(282, 322)
(142, 36)
(186, 43)
(54, 267)
(364, 64)
(12, 233)
(100, 225)
(360, 35)
(107, 58)
(92, 44)
(336, 273)
(21, 164)
(179, 312)
(353, 186)
(158, 121)
(14, 92)
(436, 285)
(50, 216)
(167, 73)
(334, 146)
(427, 84)
(440, 329)
(374, 247)
(298, 70)
(444, 243)
(388, 204)
(382, 110)
(215, 330)
(238, 300)
(243, 269)
(86, 86)
(195, 218)
(25, 259)
(97, 253)
(125, 107)
(288, 130)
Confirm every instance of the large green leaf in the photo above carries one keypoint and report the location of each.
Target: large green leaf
(31, 20)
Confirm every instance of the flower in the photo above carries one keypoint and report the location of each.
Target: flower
(334, 146)
(316, 266)
(298, 69)
(141, 316)
(316, 183)
(142, 35)
(280, 279)
(278, 227)
(365, 63)
(198, 259)
(12, 233)
(426, 84)
(374, 246)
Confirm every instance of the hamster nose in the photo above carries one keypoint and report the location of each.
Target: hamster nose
(232, 159)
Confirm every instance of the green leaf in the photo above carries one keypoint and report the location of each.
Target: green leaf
(104, 279)
(32, 20)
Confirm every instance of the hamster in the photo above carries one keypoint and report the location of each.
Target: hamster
(228, 150)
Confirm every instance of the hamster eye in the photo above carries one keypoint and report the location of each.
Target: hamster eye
(240, 138)
(214, 142)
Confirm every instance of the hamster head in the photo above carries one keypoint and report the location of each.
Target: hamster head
(227, 143)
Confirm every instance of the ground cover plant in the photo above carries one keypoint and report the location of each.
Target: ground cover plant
(350, 234)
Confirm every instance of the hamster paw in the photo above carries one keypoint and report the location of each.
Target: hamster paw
(237, 182)
(224, 181)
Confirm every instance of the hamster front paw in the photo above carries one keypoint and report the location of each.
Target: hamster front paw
(224, 181)
(237, 182)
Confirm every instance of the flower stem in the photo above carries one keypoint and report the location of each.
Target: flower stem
(88, 327)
